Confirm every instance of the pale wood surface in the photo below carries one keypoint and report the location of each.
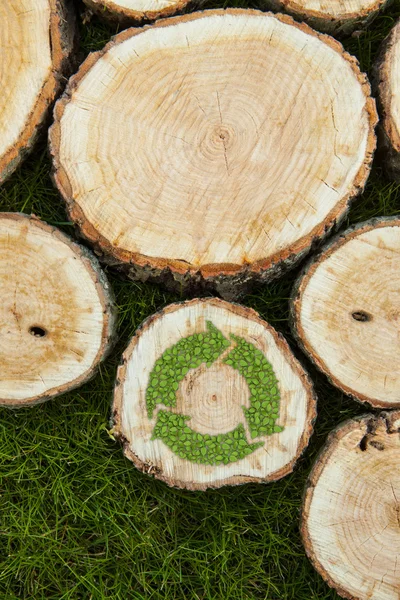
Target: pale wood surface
(346, 312)
(213, 397)
(132, 12)
(351, 511)
(56, 312)
(217, 144)
(36, 38)
(337, 17)
(387, 76)
(338, 7)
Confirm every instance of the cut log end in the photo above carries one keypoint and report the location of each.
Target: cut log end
(336, 17)
(57, 316)
(36, 41)
(209, 395)
(386, 78)
(136, 12)
(345, 312)
(351, 511)
(199, 174)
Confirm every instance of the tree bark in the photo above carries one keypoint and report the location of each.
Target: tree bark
(345, 311)
(134, 12)
(387, 89)
(351, 513)
(336, 18)
(37, 37)
(57, 315)
(208, 395)
(214, 149)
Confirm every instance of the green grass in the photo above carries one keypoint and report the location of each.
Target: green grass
(77, 521)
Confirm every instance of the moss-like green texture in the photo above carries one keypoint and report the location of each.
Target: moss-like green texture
(263, 384)
(201, 448)
(189, 353)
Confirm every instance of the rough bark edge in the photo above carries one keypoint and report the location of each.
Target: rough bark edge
(388, 134)
(338, 25)
(371, 423)
(296, 297)
(106, 297)
(109, 11)
(251, 315)
(62, 33)
(228, 280)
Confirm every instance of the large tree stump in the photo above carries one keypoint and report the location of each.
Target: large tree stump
(208, 394)
(337, 17)
(386, 76)
(132, 12)
(345, 312)
(212, 149)
(56, 313)
(351, 512)
(36, 38)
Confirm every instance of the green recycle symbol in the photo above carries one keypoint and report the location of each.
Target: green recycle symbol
(189, 353)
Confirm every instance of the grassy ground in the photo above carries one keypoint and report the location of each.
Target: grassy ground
(77, 521)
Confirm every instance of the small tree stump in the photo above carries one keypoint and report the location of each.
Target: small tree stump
(133, 12)
(351, 511)
(208, 394)
(386, 76)
(36, 38)
(339, 18)
(345, 312)
(56, 312)
(210, 150)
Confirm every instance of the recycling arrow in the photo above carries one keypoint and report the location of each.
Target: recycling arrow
(189, 353)
(175, 362)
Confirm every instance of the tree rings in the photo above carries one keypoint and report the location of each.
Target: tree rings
(208, 394)
(386, 76)
(132, 12)
(36, 39)
(337, 17)
(351, 512)
(346, 312)
(56, 313)
(210, 150)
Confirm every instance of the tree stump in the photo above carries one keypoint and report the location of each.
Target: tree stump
(56, 313)
(36, 38)
(208, 395)
(345, 312)
(336, 17)
(386, 76)
(351, 511)
(210, 150)
(133, 12)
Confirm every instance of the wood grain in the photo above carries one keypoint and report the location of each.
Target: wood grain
(134, 12)
(350, 518)
(210, 150)
(345, 312)
(336, 17)
(386, 79)
(213, 399)
(36, 41)
(57, 315)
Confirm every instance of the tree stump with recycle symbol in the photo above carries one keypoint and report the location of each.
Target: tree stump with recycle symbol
(208, 394)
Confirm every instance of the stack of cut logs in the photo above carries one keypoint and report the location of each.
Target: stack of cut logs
(210, 152)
